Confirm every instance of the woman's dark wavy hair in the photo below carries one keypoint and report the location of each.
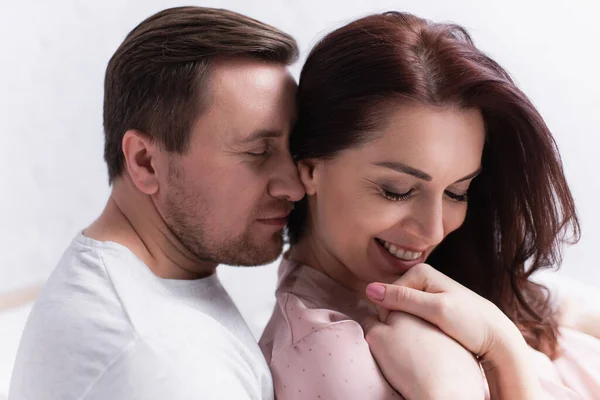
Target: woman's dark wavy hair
(520, 209)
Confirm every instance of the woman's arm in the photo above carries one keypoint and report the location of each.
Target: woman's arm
(509, 368)
(470, 319)
(428, 364)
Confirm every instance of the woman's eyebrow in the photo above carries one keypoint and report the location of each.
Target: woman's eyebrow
(405, 169)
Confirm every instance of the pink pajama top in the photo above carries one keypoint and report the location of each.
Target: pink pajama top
(316, 349)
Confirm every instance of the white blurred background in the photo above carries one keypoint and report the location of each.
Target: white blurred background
(53, 179)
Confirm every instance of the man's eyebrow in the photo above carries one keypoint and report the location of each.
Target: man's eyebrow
(261, 134)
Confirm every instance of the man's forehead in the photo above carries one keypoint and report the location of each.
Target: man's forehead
(249, 104)
(242, 76)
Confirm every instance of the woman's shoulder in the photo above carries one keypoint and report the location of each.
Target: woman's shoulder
(310, 307)
(299, 318)
(330, 359)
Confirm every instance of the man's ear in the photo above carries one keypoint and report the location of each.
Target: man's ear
(140, 158)
(309, 171)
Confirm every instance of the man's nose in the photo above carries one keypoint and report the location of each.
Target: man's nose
(285, 182)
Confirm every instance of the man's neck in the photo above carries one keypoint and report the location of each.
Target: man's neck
(131, 219)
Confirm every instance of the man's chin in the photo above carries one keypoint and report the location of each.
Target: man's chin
(255, 254)
(266, 255)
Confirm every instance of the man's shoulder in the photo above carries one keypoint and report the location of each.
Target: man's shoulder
(100, 315)
(78, 297)
(102, 290)
(76, 327)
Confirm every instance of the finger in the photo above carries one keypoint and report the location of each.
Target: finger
(427, 279)
(369, 324)
(383, 313)
(374, 331)
(401, 298)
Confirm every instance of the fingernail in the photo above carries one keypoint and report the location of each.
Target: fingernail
(376, 291)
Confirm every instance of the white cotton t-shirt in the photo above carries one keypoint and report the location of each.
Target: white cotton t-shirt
(106, 328)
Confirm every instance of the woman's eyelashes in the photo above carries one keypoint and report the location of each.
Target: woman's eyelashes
(457, 197)
(393, 195)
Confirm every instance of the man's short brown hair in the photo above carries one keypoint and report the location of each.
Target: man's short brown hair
(157, 80)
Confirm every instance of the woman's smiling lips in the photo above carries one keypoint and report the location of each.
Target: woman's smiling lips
(398, 257)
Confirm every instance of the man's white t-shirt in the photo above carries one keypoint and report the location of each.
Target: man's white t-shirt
(106, 328)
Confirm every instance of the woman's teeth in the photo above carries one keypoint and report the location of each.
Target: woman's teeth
(400, 253)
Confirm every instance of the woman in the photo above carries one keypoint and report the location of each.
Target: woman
(414, 146)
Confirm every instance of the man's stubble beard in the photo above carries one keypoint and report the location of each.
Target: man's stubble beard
(186, 216)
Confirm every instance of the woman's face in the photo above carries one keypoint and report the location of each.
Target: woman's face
(381, 208)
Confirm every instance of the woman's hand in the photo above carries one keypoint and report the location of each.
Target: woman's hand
(424, 363)
(474, 322)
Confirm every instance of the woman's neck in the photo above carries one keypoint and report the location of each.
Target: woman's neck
(310, 251)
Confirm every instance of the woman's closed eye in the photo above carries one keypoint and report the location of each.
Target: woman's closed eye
(457, 197)
(394, 196)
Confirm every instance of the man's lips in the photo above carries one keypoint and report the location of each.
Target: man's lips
(275, 219)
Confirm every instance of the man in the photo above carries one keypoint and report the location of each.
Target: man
(198, 108)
